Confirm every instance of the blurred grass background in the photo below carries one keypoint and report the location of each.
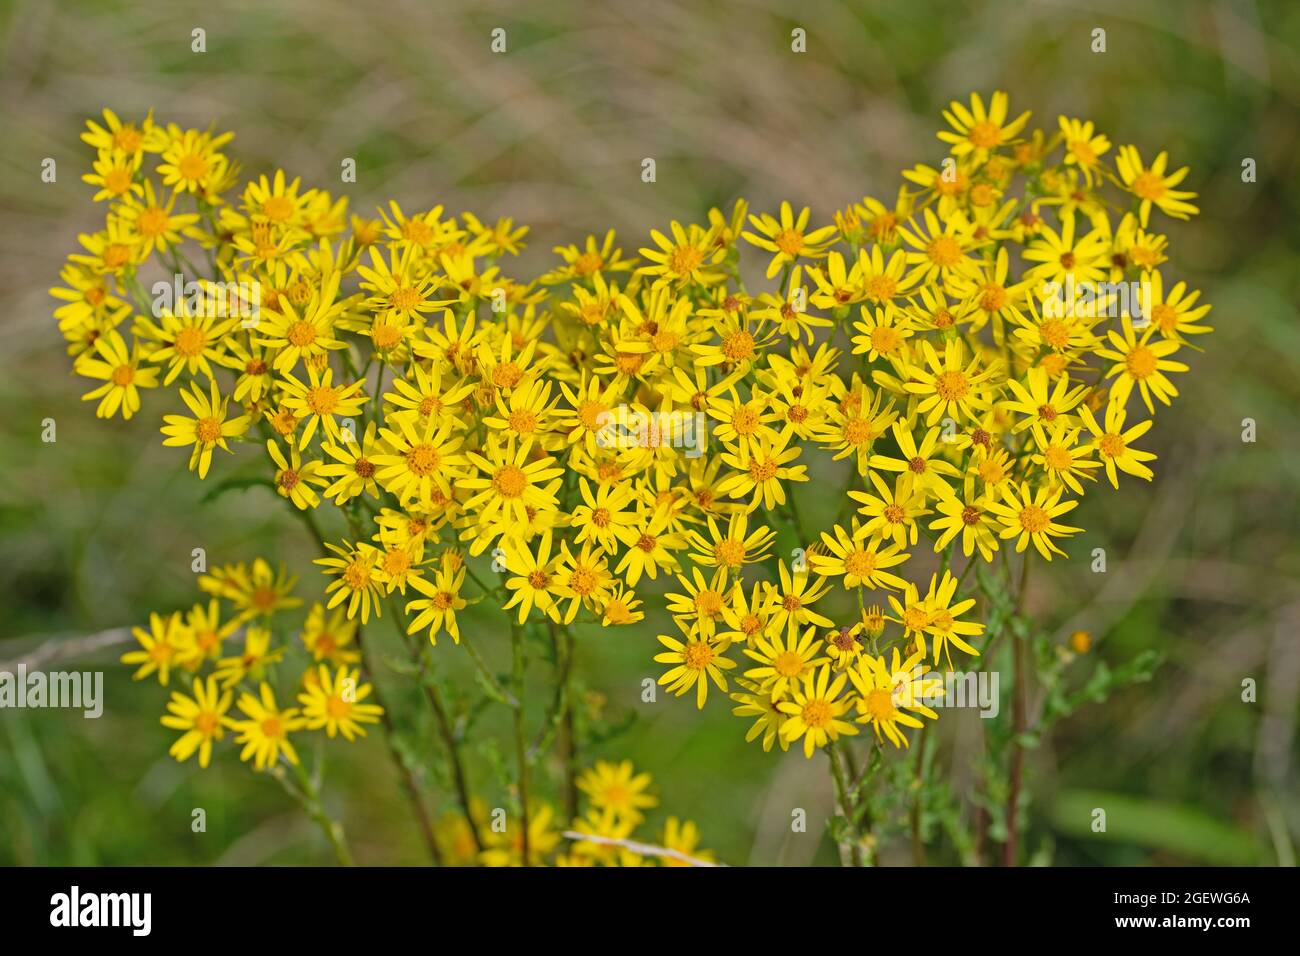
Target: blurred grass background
(97, 528)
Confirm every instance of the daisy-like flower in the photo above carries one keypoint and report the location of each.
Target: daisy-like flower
(507, 848)
(988, 293)
(589, 261)
(967, 515)
(168, 643)
(302, 333)
(944, 624)
(793, 597)
(357, 581)
(265, 732)
(892, 512)
(787, 238)
(976, 130)
(1064, 257)
(321, 402)
(882, 332)
(1153, 187)
(886, 692)
(739, 344)
(1083, 146)
(353, 469)
(606, 516)
(1176, 314)
(685, 258)
(201, 720)
(437, 609)
(257, 592)
(1041, 404)
(733, 549)
(421, 458)
(253, 661)
(651, 550)
(337, 703)
(784, 662)
(396, 285)
(330, 636)
(294, 479)
(684, 837)
(208, 429)
(789, 313)
(617, 788)
(921, 461)
(860, 558)
(1142, 363)
(123, 377)
(191, 162)
(940, 251)
(1061, 458)
(948, 385)
(696, 661)
(585, 579)
(190, 343)
(114, 173)
(1115, 444)
(130, 139)
(623, 607)
(508, 483)
(1031, 517)
(761, 466)
(766, 713)
(534, 579)
(815, 710)
(700, 609)
(207, 630)
(113, 251)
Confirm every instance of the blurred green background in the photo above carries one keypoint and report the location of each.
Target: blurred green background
(97, 528)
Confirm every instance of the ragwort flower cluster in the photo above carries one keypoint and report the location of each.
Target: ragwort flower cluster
(959, 364)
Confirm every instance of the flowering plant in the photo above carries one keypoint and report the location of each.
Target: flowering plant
(958, 366)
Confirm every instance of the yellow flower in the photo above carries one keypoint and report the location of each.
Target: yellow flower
(1153, 187)
(168, 643)
(1141, 362)
(686, 257)
(787, 238)
(815, 710)
(1031, 517)
(330, 638)
(122, 374)
(617, 788)
(208, 429)
(253, 662)
(201, 718)
(1083, 146)
(860, 558)
(265, 732)
(437, 609)
(1114, 444)
(293, 479)
(336, 702)
(357, 581)
(783, 663)
(976, 131)
(887, 691)
(696, 661)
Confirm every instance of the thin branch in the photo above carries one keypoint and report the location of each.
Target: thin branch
(644, 849)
